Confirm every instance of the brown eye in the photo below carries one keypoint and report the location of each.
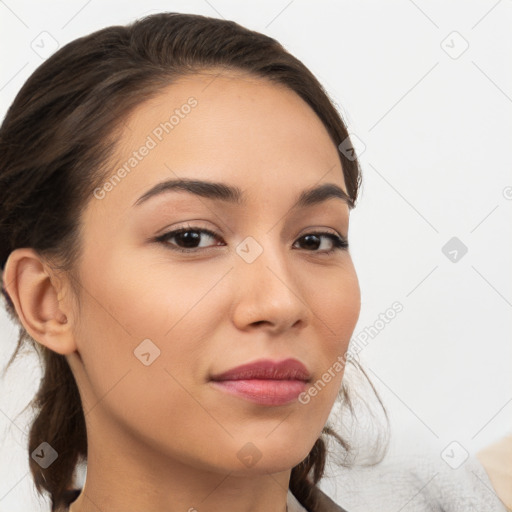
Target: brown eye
(313, 241)
(187, 239)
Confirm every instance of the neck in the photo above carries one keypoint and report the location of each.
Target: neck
(124, 475)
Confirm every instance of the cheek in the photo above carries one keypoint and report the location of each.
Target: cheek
(336, 304)
(177, 315)
(152, 297)
(175, 306)
(335, 300)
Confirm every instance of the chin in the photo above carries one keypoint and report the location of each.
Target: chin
(266, 457)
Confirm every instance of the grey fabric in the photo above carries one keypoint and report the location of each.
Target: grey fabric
(415, 482)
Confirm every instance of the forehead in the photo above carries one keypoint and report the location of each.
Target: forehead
(224, 126)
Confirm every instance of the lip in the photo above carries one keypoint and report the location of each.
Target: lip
(265, 382)
(287, 369)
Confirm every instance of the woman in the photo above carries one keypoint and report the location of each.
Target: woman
(174, 223)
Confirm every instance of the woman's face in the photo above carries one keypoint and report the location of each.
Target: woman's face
(156, 324)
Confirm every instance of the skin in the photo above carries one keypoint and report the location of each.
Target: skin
(160, 437)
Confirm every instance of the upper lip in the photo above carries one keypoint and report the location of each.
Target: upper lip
(287, 369)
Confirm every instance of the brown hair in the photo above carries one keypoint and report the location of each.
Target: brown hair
(55, 142)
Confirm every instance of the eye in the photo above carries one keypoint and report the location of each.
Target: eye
(188, 240)
(314, 239)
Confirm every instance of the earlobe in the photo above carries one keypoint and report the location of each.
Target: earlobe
(36, 295)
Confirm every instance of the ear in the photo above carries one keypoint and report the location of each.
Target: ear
(36, 294)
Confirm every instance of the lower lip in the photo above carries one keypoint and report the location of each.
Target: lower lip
(266, 392)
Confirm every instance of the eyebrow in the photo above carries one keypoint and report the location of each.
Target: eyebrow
(232, 194)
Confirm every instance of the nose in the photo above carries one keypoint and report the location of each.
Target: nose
(269, 294)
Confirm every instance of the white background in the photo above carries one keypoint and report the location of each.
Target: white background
(436, 132)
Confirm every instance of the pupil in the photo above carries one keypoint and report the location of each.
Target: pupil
(189, 240)
(313, 238)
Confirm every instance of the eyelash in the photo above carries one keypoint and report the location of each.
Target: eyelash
(339, 243)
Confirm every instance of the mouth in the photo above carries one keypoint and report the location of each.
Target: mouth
(265, 382)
